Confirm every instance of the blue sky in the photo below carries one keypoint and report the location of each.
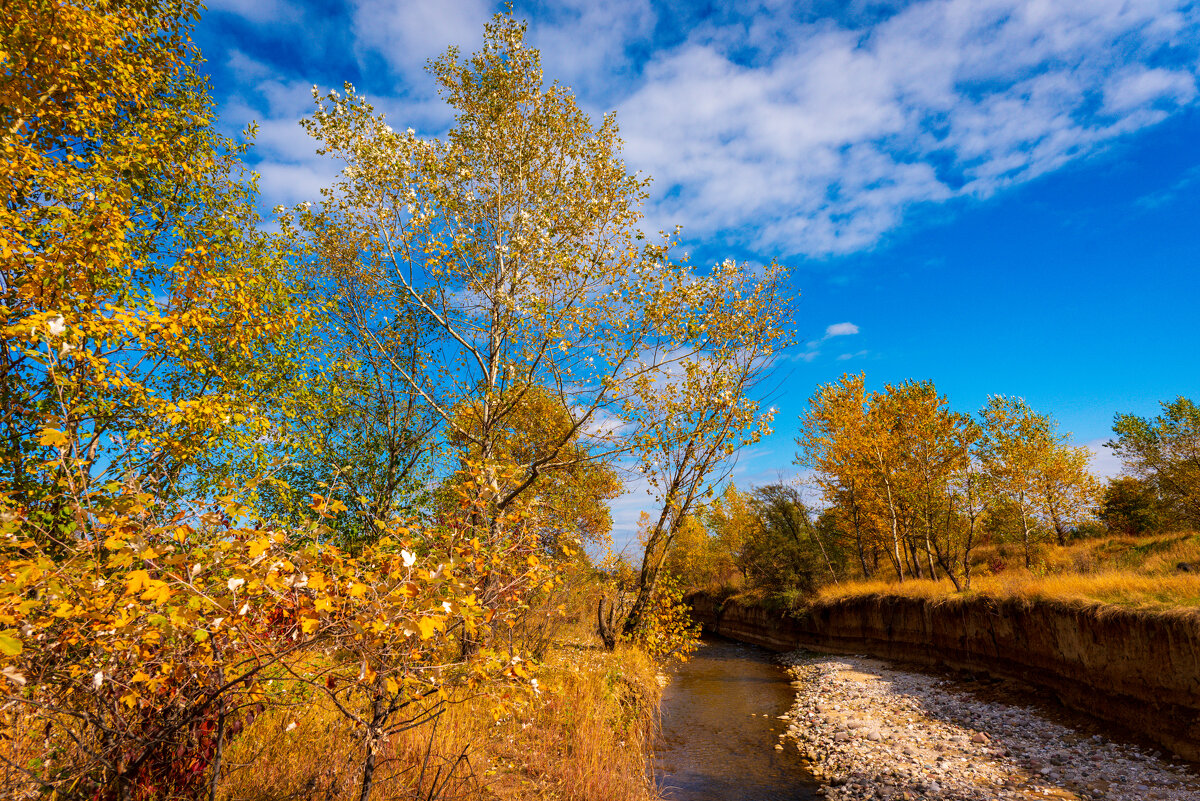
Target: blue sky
(1002, 196)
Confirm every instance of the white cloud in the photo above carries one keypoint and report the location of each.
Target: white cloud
(822, 143)
(289, 184)
(1138, 86)
(406, 33)
(841, 330)
(1104, 463)
(791, 134)
(585, 44)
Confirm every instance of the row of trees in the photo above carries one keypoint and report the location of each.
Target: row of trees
(910, 488)
(914, 482)
(353, 455)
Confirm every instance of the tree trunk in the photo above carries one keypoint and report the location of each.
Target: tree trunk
(378, 714)
(217, 753)
(605, 626)
(1025, 535)
(895, 533)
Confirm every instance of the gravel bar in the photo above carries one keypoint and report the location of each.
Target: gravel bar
(872, 731)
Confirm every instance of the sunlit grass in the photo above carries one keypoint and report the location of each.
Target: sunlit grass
(583, 737)
(1140, 572)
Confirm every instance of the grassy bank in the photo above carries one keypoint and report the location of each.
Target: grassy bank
(1141, 572)
(1150, 572)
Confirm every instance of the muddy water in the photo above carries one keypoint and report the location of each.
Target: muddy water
(715, 743)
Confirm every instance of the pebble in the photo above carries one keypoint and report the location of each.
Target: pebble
(870, 731)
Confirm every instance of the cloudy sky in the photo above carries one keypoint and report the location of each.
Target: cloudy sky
(1002, 196)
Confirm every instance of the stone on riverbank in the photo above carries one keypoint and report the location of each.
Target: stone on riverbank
(875, 732)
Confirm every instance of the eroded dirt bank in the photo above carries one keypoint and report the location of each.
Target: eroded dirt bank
(1136, 669)
(872, 731)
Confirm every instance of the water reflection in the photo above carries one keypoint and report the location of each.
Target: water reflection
(715, 743)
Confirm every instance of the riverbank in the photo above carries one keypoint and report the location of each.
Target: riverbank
(1134, 668)
(873, 731)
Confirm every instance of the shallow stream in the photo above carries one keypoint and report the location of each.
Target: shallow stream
(720, 726)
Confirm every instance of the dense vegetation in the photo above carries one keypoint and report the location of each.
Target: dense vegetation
(299, 506)
(908, 496)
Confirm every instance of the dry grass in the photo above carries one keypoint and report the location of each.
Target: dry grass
(1124, 588)
(583, 737)
(1138, 572)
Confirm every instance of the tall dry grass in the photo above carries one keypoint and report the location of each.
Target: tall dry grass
(583, 736)
(1138, 572)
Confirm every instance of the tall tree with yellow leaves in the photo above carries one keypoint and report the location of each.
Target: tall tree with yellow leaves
(516, 238)
(147, 325)
(1030, 465)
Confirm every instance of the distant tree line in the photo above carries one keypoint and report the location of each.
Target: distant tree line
(907, 488)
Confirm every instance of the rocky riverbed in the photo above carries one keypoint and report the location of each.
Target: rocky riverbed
(872, 731)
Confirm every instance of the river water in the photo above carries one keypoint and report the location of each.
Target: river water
(715, 743)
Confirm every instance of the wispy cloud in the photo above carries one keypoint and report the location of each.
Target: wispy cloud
(407, 33)
(261, 11)
(816, 137)
(1104, 463)
(785, 132)
(813, 346)
(840, 330)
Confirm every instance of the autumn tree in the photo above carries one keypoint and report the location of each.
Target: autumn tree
(731, 523)
(150, 330)
(939, 480)
(516, 236)
(901, 474)
(1068, 491)
(1044, 480)
(568, 504)
(831, 443)
(699, 416)
(787, 553)
(158, 349)
(1132, 506)
(1165, 451)
(691, 558)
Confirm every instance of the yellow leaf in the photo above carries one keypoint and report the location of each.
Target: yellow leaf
(157, 591)
(53, 438)
(309, 624)
(257, 547)
(357, 590)
(392, 686)
(429, 626)
(136, 580)
(9, 644)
